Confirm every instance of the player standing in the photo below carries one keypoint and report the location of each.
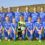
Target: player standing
(42, 14)
(26, 14)
(34, 15)
(17, 15)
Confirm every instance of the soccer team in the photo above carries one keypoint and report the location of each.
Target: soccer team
(25, 23)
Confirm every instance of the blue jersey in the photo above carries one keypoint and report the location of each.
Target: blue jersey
(10, 14)
(29, 25)
(2, 15)
(17, 16)
(26, 15)
(7, 25)
(34, 16)
(42, 16)
(14, 26)
(38, 25)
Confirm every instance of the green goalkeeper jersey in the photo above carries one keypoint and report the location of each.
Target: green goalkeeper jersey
(21, 25)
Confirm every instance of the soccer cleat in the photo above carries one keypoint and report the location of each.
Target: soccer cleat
(5, 38)
(39, 41)
(8, 39)
(0, 40)
(36, 38)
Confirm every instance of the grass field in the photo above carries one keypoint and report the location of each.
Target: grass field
(21, 42)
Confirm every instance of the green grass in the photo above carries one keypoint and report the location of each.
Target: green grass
(26, 42)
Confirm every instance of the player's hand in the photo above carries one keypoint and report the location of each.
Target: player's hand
(8, 32)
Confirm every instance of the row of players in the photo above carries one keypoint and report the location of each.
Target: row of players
(26, 14)
(32, 29)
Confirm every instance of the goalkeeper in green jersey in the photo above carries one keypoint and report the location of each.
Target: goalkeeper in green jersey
(21, 28)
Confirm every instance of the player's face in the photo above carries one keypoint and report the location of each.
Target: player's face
(34, 9)
(8, 9)
(26, 9)
(39, 20)
(41, 9)
(21, 18)
(0, 9)
(7, 18)
(13, 20)
(17, 9)
(29, 19)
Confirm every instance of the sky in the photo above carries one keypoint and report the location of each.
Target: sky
(14, 3)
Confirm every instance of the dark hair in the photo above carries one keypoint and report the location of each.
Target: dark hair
(39, 18)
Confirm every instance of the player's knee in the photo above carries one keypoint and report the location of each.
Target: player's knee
(40, 32)
(31, 32)
(23, 32)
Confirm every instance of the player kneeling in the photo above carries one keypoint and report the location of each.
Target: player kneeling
(14, 28)
(21, 28)
(38, 31)
(29, 26)
(7, 28)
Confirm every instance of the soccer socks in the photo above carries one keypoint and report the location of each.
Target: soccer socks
(31, 37)
(8, 36)
(23, 36)
(14, 37)
(40, 36)
(0, 35)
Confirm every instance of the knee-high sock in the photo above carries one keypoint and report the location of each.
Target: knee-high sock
(14, 37)
(8, 36)
(31, 36)
(23, 36)
(40, 36)
(0, 35)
